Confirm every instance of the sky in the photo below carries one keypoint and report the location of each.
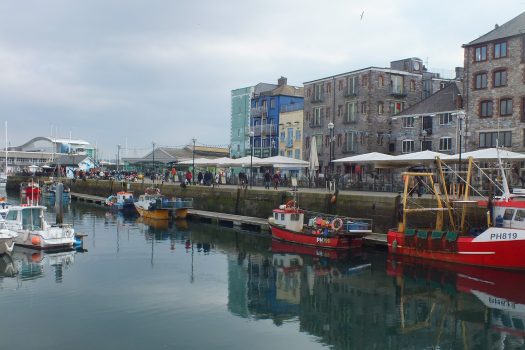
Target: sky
(137, 72)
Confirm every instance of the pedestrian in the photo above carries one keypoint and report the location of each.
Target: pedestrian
(199, 178)
(217, 179)
(188, 177)
(276, 180)
(267, 179)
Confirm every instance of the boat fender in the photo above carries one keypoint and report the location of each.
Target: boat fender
(394, 246)
(337, 224)
(35, 240)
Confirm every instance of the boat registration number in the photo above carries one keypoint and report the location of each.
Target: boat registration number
(503, 236)
(323, 240)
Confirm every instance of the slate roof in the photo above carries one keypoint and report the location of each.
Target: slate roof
(515, 26)
(443, 100)
(73, 159)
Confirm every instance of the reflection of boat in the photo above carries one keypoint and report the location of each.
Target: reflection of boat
(499, 243)
(33, 231)
(7, 239)
(154, 224)
(287, 224)
(499, 290)
(285, 247)
(122, 201)
(31, 264)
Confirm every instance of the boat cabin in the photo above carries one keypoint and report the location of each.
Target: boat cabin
(26, 218)
(290, 218)
(509, 213)
(123, 197)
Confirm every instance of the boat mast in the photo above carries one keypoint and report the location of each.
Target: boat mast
(506, 191)
(6, 148)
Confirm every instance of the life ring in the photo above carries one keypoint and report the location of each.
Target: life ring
(291, 204)
(337, 224)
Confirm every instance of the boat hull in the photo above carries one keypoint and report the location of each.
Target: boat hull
(475, 251)
(179, 213)
(157, 214)
(40, 241)
(331, 241)
(6, 245)
(282, 247)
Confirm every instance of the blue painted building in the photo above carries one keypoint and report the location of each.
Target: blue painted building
(266, 107)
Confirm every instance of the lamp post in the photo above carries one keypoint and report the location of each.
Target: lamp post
(273, 146)
(118, 157)
(193, 166)
(424, 133)
(251, 158)
(331, 129)
(153, 160)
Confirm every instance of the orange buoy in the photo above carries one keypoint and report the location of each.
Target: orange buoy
(35, 257)
(35, 240)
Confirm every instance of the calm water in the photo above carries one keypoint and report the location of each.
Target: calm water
(196, 286)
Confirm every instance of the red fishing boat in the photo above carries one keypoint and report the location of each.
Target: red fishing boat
(30, 189)
(325, 231)
(499, 243)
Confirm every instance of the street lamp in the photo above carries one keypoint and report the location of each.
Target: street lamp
(251, 158)
(424, 133)
(273, 146)
(331, 128)
(193, 157)
(118, 157)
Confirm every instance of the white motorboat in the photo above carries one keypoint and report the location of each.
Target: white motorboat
(33, 231)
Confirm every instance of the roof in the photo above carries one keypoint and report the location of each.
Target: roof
(515, 26)
(51, 140)
(288, 90)
(73, 159)
(443, 100)
(385, 70)
(172, 155)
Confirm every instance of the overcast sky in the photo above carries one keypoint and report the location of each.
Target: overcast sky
(127, 71)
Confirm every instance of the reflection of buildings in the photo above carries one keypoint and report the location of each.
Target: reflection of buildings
(347, 306)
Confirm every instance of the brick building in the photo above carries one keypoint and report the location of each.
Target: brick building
(359, 104)
(495, 87)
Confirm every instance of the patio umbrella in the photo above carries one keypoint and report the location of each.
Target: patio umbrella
(314, 160)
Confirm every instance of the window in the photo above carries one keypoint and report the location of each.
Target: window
(297, 135)
(339, 140)
(317, 117)
(509, 213)
(363, 107)
(380, 108)
(297, 154)
(397, 84)
(276, 215)
(282, 136)
(12, 215)
(326, 140)
(381, 81)
(396, 107)
(351, 112)
(289, 138)
(350, 142)
(364, 80)
(329, 88)
(272, 103)
(282, 216)
(328, 113)
(289, 153)
(445, 119)
(307, 142)
(500, 49)
(500, 78)
(294, 217)
(282, 153)
(520, 215)
(408, 122)
(426, 145)
(318, 92)
(488, 139)
(523, 109)
(480, 81)
(445, 144)
(351, 83)
(408, 146)
(485, 109)
(505, 106)
(340, 85)
(339, 110)
(412, 85)
(307, 116)
(480, 53)
(319, 142)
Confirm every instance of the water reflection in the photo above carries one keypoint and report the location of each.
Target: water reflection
(460, 306)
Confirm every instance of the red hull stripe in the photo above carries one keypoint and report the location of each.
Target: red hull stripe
(331, 242)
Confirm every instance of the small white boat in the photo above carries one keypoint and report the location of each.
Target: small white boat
(32, 230)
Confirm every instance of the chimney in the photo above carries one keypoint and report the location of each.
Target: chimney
(496, 26)
(282, 81)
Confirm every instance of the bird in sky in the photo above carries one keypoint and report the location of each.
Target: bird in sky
(362, 13)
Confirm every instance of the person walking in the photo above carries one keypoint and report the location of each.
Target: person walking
(267, 179)
(188, 177)
(199, 178)
(276, 180)
(217, 179)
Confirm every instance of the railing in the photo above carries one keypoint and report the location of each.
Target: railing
(262, 129)
(318, 98)
(397, 91)
(258, 111)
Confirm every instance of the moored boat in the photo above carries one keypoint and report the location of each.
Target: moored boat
(499, 243)
(150, 206)
(7, 240)
(33, 231)
(122, 201)
(30, 190)
(287, 224)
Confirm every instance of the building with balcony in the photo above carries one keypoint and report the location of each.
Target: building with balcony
(494, 87)
(291, 132)
(433, 124)
(359, 104)
(266, 107)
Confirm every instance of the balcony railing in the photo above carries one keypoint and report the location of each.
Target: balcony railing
(262, 129)
(397, 91)
(259, 111)
(292, 107)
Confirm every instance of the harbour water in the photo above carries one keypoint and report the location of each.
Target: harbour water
(149, 285)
